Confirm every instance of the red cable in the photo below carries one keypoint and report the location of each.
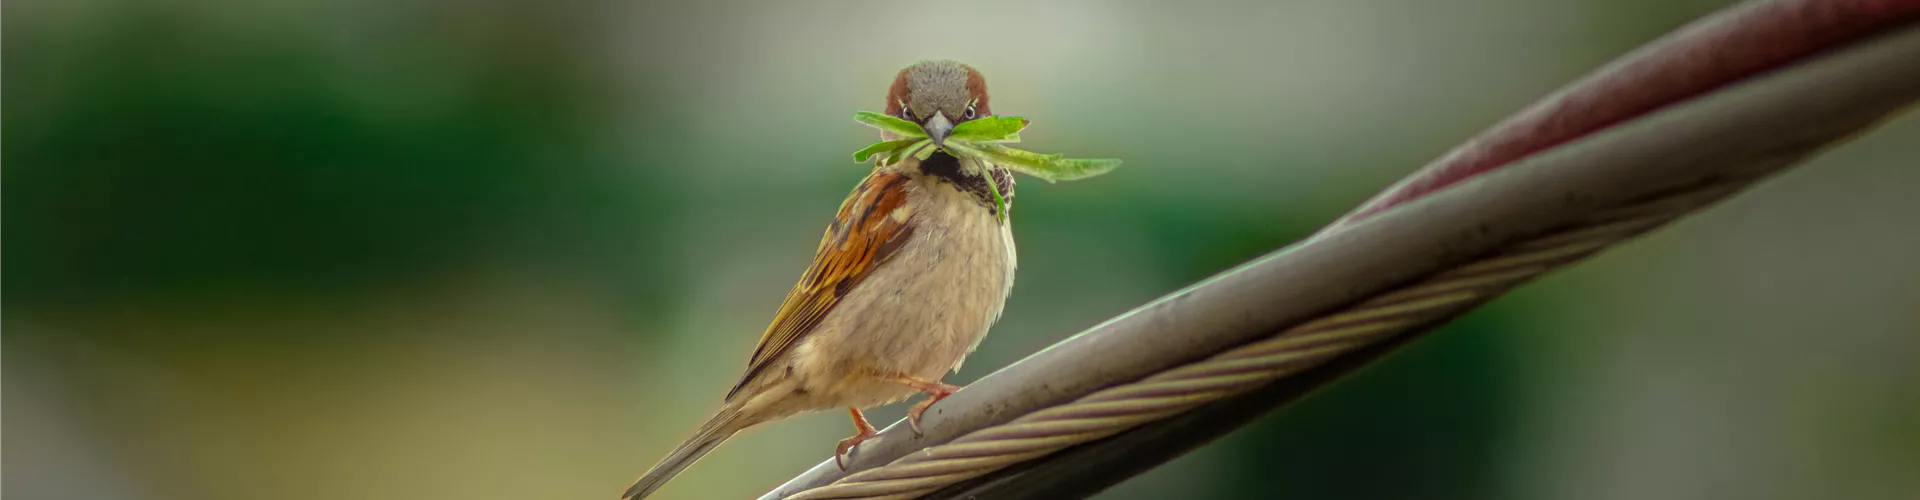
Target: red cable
(1712, 53)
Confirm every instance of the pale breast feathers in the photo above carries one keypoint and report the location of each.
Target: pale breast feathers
(871, 226)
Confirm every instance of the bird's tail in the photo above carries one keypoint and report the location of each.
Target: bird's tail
(717, 429)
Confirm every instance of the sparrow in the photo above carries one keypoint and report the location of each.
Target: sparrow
(913, 270)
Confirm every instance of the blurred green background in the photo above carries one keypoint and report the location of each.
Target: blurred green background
(408, 249)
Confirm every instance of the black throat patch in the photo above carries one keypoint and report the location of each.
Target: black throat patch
(947, 168)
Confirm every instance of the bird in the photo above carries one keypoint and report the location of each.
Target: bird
(915, 267)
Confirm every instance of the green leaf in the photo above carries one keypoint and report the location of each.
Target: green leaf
(983, 139)
(1069, 169)
(1049, 168)
(882, 147)
(1027, 162)
(901, 154)
(1017, 157)
(999, 203)
(966, 149)
(887, 123)
(990, 129)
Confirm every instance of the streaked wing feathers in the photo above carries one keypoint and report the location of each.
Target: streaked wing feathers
(865, 234)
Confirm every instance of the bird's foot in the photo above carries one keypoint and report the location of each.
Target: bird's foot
(861, 429)
(935, 391)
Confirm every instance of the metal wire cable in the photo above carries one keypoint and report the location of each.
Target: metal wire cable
(1405, 310)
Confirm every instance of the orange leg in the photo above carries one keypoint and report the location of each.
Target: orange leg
(861, 431)
(935, 391)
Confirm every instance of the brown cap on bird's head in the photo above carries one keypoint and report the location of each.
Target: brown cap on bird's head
(953, 91)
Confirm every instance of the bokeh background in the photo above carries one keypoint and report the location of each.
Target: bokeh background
(411, 249)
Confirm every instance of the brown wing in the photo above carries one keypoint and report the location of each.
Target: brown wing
(871, 226)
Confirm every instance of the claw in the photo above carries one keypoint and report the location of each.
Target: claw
(862, 430)
(913, 415)
(840, 454)
(935, 391)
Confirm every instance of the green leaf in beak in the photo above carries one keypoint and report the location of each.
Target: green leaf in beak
(882, 147)
(1049, 168)
(1070, 169)
(924, 149)
(901, 154)
(983, 139)
(891, 124)
(999, 203)
(990, 129)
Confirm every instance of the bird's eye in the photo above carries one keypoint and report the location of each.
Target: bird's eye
(906, 112)
(971, 111)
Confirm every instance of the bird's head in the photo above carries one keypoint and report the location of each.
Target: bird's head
(938, 95)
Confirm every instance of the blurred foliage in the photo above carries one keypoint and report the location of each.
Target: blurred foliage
(269, 166)
(1437, 415)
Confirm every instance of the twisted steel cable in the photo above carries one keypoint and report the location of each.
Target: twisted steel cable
(1404, 310)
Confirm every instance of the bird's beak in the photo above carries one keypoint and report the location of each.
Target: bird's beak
(938, 128)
